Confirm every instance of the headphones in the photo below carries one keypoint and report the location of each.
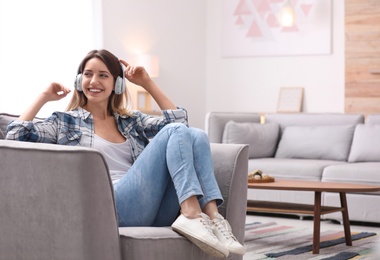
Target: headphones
(119, 83)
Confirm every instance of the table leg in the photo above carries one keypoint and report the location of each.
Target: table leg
(317, 222)
(346, 221)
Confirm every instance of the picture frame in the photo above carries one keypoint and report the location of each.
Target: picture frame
(254, 29)
(290, 100)
(143, 101)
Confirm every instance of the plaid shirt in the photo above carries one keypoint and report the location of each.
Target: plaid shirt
(77, 128)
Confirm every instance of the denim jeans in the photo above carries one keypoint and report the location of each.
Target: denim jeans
(175, 165)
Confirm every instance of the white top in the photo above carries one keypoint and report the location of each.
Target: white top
(118, 156)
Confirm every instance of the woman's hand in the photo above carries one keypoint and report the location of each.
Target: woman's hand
(137, 75)
(55, 91)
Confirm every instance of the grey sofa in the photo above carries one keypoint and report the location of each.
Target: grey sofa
(306, 146)
(57, 202)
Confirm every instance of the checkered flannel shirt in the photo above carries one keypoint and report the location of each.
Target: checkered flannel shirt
(77, 128)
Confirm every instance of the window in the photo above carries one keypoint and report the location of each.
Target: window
(43, 41)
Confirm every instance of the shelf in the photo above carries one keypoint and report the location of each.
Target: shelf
(283, 207)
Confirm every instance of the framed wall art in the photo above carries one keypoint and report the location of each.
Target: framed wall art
(290, 100)
(257, 27)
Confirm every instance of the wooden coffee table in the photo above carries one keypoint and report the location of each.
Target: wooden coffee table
(317, 209)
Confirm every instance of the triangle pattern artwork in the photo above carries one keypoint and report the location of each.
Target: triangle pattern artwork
(253, 28)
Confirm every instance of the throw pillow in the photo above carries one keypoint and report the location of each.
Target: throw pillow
(366, 144)
(316, 142)
(261, 138)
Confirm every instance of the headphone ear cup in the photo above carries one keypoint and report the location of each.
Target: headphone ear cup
(119, 86)
(78, 82)
(120, 83)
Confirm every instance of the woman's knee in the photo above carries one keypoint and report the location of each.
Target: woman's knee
(174, 128)
(199, 135)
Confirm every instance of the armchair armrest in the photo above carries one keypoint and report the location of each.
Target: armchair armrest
(231, 171)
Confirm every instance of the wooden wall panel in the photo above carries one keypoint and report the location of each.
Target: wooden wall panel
(362, 54)
(363, 105)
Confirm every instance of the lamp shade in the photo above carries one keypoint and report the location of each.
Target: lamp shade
(149, 62)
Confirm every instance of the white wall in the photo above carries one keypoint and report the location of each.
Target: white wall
(175, 31)
(253, 83)
(186, 36)
(41, 42)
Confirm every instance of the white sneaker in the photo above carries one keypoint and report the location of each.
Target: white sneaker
(199, 231)
(222, 231)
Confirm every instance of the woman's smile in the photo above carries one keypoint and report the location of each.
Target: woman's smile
(95, 90)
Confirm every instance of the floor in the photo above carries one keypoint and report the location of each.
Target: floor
(325, 225)
(308, 221)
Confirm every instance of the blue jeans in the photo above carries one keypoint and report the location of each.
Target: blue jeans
(176, 165)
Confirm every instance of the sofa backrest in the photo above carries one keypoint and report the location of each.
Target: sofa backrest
(56, 203)
(315, 136)
(4, 121)
(314, 119)
(216, 121)
(373, 119)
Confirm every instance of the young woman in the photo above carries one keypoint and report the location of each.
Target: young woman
(159, 166)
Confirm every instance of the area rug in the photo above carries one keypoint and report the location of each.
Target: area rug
(274, 241)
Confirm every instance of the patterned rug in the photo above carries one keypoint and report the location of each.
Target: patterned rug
(273, 241)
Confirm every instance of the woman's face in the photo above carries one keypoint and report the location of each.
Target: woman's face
(97, 81)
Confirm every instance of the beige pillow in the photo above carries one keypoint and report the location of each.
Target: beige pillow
(261, 138)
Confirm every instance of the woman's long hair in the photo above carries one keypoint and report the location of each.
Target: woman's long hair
(116, 103)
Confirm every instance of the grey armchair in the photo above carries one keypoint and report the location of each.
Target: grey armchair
(57, 202)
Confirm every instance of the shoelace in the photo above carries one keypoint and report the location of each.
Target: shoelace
(223, 226)
(206, 221)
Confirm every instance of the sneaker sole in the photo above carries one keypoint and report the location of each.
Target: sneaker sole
(237, 251)
(202, 244)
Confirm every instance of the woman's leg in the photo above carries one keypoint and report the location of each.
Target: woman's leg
(142, 191)
(147, 187)
(210, 202)
(204, 168)
(145, 195)
(146, 192)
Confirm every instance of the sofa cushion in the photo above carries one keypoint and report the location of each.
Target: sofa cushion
(261, 138)
(358, 173)
(366, 144)
(316, 142)
(290, 168)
